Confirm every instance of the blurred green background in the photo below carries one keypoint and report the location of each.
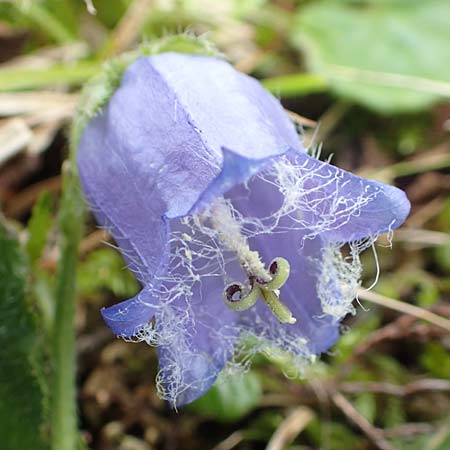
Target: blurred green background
(371, 80)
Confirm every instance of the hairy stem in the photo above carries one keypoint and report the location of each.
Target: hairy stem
(64, 417)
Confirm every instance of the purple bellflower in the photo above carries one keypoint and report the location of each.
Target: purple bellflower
(233, 230)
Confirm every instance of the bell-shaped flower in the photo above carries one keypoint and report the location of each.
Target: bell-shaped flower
(233, 230)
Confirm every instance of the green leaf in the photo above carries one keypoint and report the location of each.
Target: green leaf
(230, 398)
(366, 405)
(443, 256)
(39, 226)
(263, 425)
(297, 84)
(22, 398)
(105, 269)
(46, 20)
(393, 412)
(388, 55)
(428, 293)
(443, 224)
(360, 331)
(332, 435)
(420, 442)
(67, 13)
(388, 368)
(442, 441)
(436, 360)
(13, 79)
(108, 15)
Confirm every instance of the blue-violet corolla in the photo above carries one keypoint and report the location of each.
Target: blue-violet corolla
(233, 230)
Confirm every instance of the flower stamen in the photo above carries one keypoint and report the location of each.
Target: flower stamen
(239, 299)
(279, 309)
(263, 283)
(279, 270)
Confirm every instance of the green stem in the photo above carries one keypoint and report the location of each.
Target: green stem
(64, 418)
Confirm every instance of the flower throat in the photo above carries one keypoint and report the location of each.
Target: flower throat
(261, 282)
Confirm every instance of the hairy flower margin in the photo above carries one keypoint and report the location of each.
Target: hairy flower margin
(233, 230)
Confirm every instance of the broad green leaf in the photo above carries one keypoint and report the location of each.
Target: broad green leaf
(230, 398)
(390, 56)
(21, 393)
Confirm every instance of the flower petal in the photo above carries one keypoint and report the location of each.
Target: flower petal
(190, 362)
(124, 200)
(180, 131)
(314, 331)
(343, 207)
(157, 147)
(236, 169)
(126, 318)
(229, 108)
(196, 333)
